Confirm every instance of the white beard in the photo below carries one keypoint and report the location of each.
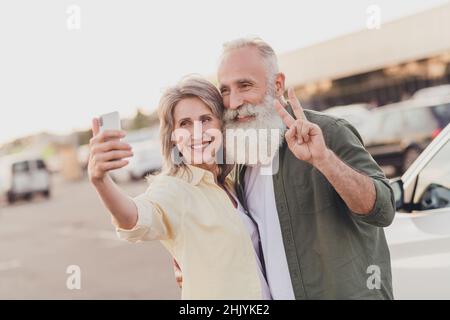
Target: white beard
(259, 139)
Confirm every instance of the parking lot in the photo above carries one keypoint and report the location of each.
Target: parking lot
(41, 239)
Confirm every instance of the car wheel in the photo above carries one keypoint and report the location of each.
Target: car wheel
(46, 193)
(28, 196)
(11, 198)
(409, 157)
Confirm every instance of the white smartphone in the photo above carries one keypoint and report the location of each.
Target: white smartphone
(110, 121)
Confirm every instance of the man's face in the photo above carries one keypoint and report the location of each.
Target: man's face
(242, 78)
(249, 100)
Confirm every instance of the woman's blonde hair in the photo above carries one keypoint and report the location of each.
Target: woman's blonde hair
(188, 87)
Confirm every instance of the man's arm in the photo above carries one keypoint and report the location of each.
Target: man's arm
(340, 155)
(353, 162)
(356, 189)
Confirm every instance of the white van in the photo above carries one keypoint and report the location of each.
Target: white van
(26, 178)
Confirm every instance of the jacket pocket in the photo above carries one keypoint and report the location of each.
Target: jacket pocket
(313, 193)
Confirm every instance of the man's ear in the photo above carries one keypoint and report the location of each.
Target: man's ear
(279, 84)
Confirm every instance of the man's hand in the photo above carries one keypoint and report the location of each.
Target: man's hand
(178, 274)
(304, 138)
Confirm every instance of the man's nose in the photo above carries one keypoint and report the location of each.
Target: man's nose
(236, 100)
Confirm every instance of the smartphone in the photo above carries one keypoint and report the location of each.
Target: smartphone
(110, 121)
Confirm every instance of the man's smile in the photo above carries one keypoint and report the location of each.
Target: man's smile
(244, 118)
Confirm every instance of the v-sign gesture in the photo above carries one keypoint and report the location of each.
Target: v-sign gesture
(304, 138)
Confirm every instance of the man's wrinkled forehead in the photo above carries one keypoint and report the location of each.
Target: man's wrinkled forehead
(240, 64)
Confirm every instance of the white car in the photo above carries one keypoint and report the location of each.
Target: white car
(419, 237)
(26, 178)
(356, 113)
(146, 159)
(433, 92)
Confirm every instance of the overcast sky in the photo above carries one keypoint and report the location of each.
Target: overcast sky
(53, 78)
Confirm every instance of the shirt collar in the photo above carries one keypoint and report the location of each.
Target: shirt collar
(197, 175)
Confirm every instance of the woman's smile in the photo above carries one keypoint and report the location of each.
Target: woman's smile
(200, 145)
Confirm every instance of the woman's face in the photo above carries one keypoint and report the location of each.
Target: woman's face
(197, 131)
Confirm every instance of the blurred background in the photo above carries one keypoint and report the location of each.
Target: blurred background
(384, 66)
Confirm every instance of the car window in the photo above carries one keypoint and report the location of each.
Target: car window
(420, 121)
(21, 167)
(442, 114)
(40, 164)
(433, 184)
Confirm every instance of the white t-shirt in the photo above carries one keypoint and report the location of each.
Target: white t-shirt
(254, 236)
(260, 198)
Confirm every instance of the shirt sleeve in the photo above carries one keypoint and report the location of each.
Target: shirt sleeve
(159, 213)
(347, 144)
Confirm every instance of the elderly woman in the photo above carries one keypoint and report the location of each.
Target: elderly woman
(191, 206)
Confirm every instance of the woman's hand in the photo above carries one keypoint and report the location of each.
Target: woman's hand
(107, 152)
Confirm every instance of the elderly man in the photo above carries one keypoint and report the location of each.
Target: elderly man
(321, 213)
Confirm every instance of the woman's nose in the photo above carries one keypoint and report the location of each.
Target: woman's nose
(198, 130)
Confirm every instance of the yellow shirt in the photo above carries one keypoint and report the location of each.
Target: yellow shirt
(198, 224)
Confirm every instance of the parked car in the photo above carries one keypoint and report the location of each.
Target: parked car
(83, 156)
(396, 134)
(147, 157)
(356, 113)
(442, 91)
(27, 178)
(419, 237)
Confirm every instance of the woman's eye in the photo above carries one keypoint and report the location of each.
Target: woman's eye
(206, 119)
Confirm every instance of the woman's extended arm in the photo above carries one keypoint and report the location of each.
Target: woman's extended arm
(122, 208)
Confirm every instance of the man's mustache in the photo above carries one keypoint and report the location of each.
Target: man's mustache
(243, 111)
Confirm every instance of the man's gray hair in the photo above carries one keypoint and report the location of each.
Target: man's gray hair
(264, 49)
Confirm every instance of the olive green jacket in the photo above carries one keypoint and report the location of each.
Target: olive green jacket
(332, 252)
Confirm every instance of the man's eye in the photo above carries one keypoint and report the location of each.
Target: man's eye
(224, 92)
(206, 119)
(183, 123)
